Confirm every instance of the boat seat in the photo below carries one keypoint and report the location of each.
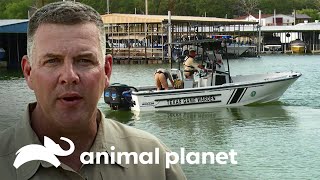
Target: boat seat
(189, 83)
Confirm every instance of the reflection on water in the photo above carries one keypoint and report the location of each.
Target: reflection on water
(217, 123)
(237, 116)
(10, 74)
(125, 117)
(247, 130)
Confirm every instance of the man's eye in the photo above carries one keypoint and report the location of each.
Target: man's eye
(51, 61)
(85, 61)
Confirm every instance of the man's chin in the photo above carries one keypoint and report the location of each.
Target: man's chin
(72, 120)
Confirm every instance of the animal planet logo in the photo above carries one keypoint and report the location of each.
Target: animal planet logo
(47, 153)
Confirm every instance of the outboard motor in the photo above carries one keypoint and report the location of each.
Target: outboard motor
(118, 96)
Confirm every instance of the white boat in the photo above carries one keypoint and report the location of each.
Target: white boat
(215, 88)
(237, 49)
(272, 48)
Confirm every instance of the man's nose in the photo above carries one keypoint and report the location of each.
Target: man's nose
(68, 74)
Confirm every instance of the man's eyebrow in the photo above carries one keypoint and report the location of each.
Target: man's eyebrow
(52, 55)
(86, 54)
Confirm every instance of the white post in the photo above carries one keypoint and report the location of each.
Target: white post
(274, 17)
(259, 36)
(169, 36)
(260, 23)
(294, 17)
(108, 6)
(146, 2)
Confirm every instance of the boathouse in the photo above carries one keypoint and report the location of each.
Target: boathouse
(307, 32)
(13, 41)
(136, 38)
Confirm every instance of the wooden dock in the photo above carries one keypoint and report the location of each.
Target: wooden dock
(139, 60)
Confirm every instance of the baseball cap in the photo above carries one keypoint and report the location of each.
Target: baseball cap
(192, 49)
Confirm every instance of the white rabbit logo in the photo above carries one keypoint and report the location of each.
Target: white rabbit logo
(47, 153)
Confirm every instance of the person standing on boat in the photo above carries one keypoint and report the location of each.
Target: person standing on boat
(190, 67)
(161, 76)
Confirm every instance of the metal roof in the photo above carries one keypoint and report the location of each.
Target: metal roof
(157, 19)
(302, 27)
(302, 16)
(297, 28)
(14, 26)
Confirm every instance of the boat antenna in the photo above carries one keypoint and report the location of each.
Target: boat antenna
(224, 45)
(170, 38)
(214, 61)
(203, 49)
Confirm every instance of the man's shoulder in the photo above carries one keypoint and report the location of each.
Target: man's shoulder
(7, 139)
(7, 153)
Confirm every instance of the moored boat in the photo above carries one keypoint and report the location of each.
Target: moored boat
(298, 46)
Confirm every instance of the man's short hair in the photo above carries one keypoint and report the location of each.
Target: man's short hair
(67, 13)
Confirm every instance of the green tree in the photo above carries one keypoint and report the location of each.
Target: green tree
(17, 10)
(313, 13)
(184, 8)
(212, 8)
(100, 6)
(248, 6)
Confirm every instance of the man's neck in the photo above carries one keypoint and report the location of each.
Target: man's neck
(82, 137)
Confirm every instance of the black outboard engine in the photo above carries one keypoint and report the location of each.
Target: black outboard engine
(118, 96)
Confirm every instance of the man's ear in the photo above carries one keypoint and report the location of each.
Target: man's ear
(26, 69)
(108, 69)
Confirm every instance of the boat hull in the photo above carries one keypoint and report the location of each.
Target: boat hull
(297, 49)
(238, 50)
(226, 95)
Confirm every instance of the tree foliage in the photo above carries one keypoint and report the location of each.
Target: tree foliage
(248, 6)
(16, 9)
(313, 13)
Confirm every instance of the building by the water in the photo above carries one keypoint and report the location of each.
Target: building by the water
(13, 42)
(136, 38)
(279, 31)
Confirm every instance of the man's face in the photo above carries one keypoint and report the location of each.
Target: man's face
(67, 75)
(192, 54)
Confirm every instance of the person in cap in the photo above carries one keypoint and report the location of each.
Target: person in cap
(190, 66)
(161, 76)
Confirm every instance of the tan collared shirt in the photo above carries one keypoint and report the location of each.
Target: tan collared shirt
(110, 133)
(189, 64)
